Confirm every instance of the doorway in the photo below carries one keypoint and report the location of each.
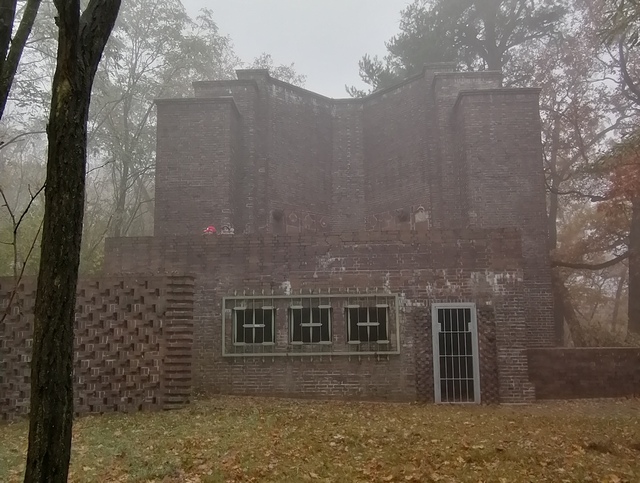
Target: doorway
(456, 366)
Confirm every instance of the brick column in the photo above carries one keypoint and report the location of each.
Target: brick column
(178, 335)
(420, 318)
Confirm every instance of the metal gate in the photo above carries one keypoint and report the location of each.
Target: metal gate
(455, 353)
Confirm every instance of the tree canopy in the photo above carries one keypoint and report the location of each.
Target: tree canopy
(475, 34)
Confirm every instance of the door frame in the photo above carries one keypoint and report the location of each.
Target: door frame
(435, 330)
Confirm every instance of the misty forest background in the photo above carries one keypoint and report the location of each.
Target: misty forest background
(590, 107)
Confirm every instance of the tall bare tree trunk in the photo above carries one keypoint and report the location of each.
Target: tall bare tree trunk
(569, 312)
(492, 54)
(11, 47)
(121, 201)
(634, 269)
(616, 305)
(81, 40)
(552, 220)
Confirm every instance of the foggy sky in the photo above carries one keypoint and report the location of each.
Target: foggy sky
(324, 38)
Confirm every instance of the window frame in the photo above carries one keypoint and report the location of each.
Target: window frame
(368, 323)
(311, 324)
(264, 308)
(473, 330)
(281, 331)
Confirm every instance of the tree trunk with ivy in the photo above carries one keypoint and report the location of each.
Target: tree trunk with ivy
(81, 41)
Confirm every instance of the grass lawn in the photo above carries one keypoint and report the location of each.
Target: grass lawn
(271, 440)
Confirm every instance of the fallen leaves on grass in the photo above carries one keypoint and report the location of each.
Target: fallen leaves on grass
(269, 440)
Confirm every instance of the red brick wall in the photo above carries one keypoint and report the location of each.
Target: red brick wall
(193, 195)
(133, 341)
(395, 142)
(477, 266)
(348, 183)
(449, 198)
(505, 186)
(249, 196)
(442, 150)
(300, 152)
(585, 372)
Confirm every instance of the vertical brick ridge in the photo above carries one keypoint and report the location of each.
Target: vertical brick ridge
(511, 348)
(489, 383)
(422, 325)
(125, 329)
(178, 340)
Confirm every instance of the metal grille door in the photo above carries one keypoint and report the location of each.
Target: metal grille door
(455, 353)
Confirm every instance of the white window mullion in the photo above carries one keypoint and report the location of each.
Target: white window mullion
(253, 322)
(311, 321)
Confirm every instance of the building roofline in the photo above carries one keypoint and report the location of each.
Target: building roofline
(495, 92)
(199, 100)
(408, 80)
(302, 90)
(466, 75)
(226, 82)
(359, 100)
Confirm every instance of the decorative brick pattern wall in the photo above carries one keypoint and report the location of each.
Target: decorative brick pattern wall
(585, 372)
(133, 344)
(480, 266)
(489, 375)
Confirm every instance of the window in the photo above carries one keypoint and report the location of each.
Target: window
(254, 326)
(310, 325)
(367, 324)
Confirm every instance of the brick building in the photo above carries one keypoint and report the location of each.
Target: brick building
(389, 247)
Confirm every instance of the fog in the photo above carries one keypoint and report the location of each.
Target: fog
(464, 230)
(325, 39)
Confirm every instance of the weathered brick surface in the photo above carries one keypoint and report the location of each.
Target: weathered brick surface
(193, 195)
(585, 372)
(395, 154)
(348, 173)
(432, 188)
(505, 186)
(133, 339)
(480, 266)
(443, 150)
(248, 195)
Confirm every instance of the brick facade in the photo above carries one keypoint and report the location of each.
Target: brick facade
(480, 266)
(428, 192)
(585, 372)
(441, 150)
(133, 341)
(431, 191)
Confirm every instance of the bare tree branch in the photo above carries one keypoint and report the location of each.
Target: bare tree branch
(592, 198)
(590, 266)
(18, 137)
